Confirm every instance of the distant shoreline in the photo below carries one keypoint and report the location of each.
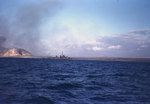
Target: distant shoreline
(92, 58)
(113, 59)
(21, 53)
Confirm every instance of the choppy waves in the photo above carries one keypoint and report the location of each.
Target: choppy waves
(43, 81)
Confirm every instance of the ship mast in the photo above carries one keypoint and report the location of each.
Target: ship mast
(62, 53)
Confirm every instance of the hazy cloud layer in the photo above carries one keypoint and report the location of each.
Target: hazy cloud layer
(131, 44)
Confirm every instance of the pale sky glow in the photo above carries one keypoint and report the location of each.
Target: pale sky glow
(80, 28)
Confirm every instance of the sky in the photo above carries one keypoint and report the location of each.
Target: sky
(79, 28)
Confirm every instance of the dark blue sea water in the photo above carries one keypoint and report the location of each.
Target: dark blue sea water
(44, 81)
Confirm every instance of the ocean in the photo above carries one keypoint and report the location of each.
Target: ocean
(47, 81)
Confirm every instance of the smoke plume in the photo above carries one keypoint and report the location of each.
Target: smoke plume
(2, 40)
(22, 29)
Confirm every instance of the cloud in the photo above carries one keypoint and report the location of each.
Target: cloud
(93, 42)
(114, 47)
(97, 48)
(130, 44)
(140, 32)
